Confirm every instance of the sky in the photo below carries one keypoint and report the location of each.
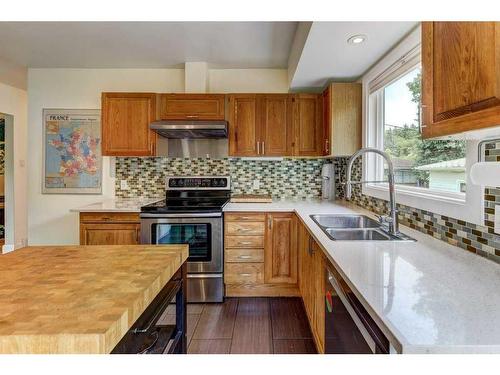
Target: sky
(399, 109)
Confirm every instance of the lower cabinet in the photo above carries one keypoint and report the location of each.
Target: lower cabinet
(261, 254)
(106, 228)
(311, 284)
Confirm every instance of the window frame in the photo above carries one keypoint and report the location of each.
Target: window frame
(468, 206)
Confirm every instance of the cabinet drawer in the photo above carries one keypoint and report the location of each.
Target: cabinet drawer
(245, 229)
(245, 241)
(244, 273)
(109, 217)
(244, 255)
(245, 217)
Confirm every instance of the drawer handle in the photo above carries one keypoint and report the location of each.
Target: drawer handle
(245, 257)
(245, 243)
(245, 274)
(192, 116)
(245, 230)
(106, 218)
(245, 217)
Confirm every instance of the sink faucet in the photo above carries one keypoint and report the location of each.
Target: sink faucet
(392, 219)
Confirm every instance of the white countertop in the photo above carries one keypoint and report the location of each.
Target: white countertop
(116, 205)
(427, 296)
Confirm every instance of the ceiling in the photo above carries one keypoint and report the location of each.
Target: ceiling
(326, 55)
(317, 51)
(146, 44)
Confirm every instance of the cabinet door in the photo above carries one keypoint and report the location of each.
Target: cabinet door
(280, 249)
(318, 275)
(244, 125)
(460, 76)
(109, 234)
(343, 116)
(327, 121)
(192, 106)
(305, 270)
(125, 124)
(308, 125)
(277, 125)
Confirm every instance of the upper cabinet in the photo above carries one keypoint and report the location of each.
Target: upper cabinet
(275, 125)
(191, 107)
(460, 77)
(308, 125)
(276, 132)
(244, 125)
(125, 124)
(342, 119)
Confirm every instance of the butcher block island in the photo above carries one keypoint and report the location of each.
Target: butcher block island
(91, 299)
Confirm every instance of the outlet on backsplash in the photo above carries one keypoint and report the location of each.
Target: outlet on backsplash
(256, 184)
(124, 185)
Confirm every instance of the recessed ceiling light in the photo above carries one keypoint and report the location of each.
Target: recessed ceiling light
(356, 39)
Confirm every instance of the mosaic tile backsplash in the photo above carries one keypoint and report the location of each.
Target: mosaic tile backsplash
(301, 178)
(479, 239)
(287, 178)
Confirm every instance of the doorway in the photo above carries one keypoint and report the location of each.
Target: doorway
(6, 182)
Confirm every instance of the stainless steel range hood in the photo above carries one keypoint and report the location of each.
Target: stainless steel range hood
(190, 129)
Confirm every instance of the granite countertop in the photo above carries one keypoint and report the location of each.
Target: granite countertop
(427, 296)
(117, 205)
(79, 299)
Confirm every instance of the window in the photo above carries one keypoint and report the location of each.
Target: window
(437, 165)
(431, 175)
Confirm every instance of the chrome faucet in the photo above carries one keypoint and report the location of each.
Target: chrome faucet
(392, 219)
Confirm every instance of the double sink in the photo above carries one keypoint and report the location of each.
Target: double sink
(349, 227)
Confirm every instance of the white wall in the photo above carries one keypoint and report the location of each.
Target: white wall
(50, 220)
(13, 101)
(248, 80)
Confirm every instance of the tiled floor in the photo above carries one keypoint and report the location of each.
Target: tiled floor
(249, 326)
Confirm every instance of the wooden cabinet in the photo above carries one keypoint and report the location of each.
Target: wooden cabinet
(244, 125)
(191, 106)
(308, 125)
(98, 228)
(281, 249)
(311, 284)
(260, 254)
(342, 103)
(275, 125)
(276, 133)
(125, 124)
(460, 77)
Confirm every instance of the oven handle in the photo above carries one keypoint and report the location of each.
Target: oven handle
(200, 214)
(204, 276)
(359, 324)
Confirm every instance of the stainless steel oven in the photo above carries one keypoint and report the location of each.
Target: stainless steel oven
(192, 214)
(203, 233)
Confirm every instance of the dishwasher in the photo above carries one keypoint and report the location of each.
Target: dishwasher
(349, 329)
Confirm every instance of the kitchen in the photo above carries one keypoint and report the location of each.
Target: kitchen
(292, 204)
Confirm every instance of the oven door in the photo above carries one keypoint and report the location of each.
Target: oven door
(202, 232)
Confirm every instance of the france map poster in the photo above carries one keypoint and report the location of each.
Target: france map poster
(72, 160)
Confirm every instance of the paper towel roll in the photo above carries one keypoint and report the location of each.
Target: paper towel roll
(485, 174)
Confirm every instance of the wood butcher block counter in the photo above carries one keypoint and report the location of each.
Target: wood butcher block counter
(79, 299)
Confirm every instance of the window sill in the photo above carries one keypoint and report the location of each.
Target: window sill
(453, 205)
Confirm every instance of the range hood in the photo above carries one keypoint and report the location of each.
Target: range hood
(190, 129)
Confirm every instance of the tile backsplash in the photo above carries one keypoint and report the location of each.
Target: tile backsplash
(479, 239)
(301, 178)
(286, 178)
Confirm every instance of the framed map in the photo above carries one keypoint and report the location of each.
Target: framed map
(72, 160)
